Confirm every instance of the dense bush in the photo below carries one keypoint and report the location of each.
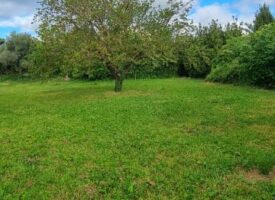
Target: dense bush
(249, 59)
(13, 53)
(197, 51)
(194, 59)
(261, 62)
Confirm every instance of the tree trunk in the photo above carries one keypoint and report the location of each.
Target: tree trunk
(119, 82)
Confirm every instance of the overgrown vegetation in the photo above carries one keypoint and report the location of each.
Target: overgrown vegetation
(13, 53)
(136, 39)
(249, 59)
(197, 50)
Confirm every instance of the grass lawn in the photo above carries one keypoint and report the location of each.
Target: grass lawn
(158, 139)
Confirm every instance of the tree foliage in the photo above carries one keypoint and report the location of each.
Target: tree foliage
(197, 51)
(117, 34)
(13, 53)
(248, 59)
(95, 39)
(262, 17)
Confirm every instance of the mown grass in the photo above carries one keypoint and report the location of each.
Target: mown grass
(158, 139)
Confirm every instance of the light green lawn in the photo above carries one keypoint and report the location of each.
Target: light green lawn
(158, 139)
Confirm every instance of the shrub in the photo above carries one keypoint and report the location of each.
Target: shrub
(248, 59)
(261, 68)
(13, 53)
(194, 58)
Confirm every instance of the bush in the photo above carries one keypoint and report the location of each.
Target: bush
(194, 58)
(248, 59)
(261, 68)
(13, 53)
(196, 52)
(227, 66)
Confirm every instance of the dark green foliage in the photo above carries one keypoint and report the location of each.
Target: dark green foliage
(261, 62)
(227, 66)
(262, 17)
(212, 36)
(13, 53)
(194, 58)
(8, 62)
(196, 52)
(249, 59)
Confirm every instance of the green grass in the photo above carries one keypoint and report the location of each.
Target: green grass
(158, 139)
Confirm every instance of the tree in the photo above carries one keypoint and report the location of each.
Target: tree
(235, 29)
(194, 58)
(14, 51)
(242, 59)
(197, 51)
(120, 34)
(262, 17)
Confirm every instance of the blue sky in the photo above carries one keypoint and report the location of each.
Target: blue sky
(17, 15)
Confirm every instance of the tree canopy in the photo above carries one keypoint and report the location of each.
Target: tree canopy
(13, 53)
(119, 34)
(262, 17)
(248, 59)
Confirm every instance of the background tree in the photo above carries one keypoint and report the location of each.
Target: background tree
(196, 51)
(262, 17)
(118, 34)
(13, 53)
(242, 59)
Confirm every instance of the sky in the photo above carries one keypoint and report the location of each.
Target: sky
(17, 15)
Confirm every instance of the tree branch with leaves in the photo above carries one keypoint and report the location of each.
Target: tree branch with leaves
(119, 33)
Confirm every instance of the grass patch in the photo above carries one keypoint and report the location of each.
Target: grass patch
(158, 139)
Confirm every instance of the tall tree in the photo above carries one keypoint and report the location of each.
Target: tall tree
(14, 51)
(262, 17)
(119, 33)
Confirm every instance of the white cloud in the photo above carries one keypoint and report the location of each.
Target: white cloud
(12, 8)
(244, 10)
(23, 23)
(205, 14)
(18, 14)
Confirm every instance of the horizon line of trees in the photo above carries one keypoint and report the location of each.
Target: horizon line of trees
(134, 40)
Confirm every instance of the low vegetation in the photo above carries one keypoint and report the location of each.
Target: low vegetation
(158, 139)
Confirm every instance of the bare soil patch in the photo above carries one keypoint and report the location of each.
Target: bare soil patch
(256, 175)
